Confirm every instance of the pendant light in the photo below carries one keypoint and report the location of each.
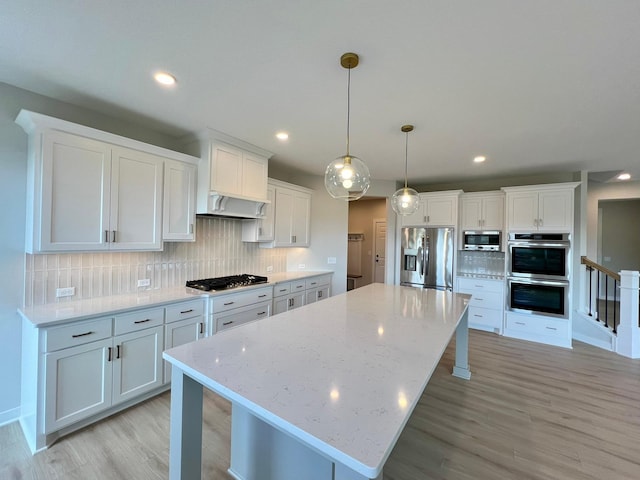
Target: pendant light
(406, 200)
(347, 177)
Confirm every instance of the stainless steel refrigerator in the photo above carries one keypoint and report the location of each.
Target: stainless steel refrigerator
(427, 257)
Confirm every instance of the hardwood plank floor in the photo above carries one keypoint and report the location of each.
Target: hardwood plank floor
(529, 412)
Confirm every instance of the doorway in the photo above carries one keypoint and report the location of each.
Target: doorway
(379, 249)
(367, 242)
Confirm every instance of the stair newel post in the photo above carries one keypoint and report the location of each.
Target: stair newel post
(628, 342)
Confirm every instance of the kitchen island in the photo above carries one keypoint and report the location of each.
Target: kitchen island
(321, 392)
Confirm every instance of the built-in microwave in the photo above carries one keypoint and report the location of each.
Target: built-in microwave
(486, 241)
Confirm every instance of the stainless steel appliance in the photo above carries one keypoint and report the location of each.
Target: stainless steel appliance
(488, 241)
(224, 283)
(538, 273)
(539, 255)
(427, 257)
(543, 297)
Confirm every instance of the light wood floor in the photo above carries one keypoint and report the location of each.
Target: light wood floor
(529, 412)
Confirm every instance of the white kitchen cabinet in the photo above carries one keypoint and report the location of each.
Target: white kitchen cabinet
(482, 211)
(486, 307)
(184, 323)
(179, 205)
(233, 309)
(231, 171)
(437, 209)
(544, 208)
(289, 295)
(292, 213)
(317, 288)
(538, 328)
(261, 229)
(89, 190)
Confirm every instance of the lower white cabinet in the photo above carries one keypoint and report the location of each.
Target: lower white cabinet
(233, 309)
(486, 307)
(538, 328)
(318, 288)
(184, 324)
(295, 293)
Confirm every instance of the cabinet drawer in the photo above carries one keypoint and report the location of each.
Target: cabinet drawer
(242, 315)
(180, 311)
(473, 285)
(487, 300)
(130, 322)
(316, 282)
(77, 333)
(223, 303)
(281, 289)
(537, 324)
(485, 316)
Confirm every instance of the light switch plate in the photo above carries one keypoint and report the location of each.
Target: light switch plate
(301, 266)
(269, 268)
(144, 282)
(331, 260)
(65, 292)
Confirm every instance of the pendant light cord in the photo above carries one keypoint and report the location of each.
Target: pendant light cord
(406, 156)
(348, 105)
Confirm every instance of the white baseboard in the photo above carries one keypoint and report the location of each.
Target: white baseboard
(9, 416)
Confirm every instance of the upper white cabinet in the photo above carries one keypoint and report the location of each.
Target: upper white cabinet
(545, 208)
(179, 206)
(90, 190)
(261, 229)
(232, 176)
(437, 209)
(292, 212)
(482, 211)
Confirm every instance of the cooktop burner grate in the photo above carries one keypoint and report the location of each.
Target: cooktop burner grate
(224, 283)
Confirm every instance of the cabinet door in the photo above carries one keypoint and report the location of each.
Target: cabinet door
(137, 366)
(78, 383)
(493, 213)
(254, 176)
(418, 217)
(555, 211)
(297, 300)
(179, 205)
(300, 219)
(179, 333)
(226, 169)
(283, 216)
(441, 210)
(136, 200)
(323, 293)
(266, 224)
(75, 194)
(522, 210)
(311, 296)
(471, 213)
(280, 304)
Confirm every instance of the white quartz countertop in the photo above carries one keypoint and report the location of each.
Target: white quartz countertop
(342, 375)
(54, 313)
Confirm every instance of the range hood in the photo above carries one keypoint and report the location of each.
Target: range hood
(235, 206)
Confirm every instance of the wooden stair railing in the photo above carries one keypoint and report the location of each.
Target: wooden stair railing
(608, 303)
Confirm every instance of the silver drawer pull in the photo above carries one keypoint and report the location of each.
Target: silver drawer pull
(313, 283)
(520, 323)
(478, 286)
(201, 327)
(82, 334)
(142, 321)
(480, 299)
(229, 303)
(299, 286)
(186, 311)
(227, 323)
(262, 296)
(551, 328)
(261, 313)
(283, 289)
(476, 315)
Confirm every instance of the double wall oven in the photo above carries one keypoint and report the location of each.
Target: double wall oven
(538, 266)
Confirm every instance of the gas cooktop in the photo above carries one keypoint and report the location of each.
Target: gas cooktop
(224, 283)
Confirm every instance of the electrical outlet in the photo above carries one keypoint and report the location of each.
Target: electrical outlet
(65, 292)
(270, 268)
(145, 282)
(331, 260)
(301, 266)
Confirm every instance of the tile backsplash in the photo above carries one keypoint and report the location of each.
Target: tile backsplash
(217, 251)
(474, 262)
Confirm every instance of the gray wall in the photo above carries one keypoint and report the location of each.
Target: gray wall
(620, 229)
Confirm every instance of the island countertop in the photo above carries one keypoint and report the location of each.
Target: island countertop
(342, 375)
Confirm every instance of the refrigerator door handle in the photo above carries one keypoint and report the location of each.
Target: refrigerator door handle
(425, 261)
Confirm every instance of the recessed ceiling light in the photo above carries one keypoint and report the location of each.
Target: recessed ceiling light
(624, 176)
(282, 136)
(479, 159)
(165, 78)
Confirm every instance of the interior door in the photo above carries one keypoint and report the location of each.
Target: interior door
(379, 248)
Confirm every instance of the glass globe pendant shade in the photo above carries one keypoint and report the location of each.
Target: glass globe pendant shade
(405, 201)
(347, 178)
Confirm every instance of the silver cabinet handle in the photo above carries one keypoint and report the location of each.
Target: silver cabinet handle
(476, 315)
(262, 296)
(261, 313)
(191, 228)
(227, 323)
(186, 311)
(118, 351)
(229, 303)
(551, 328)
(520, 323)
(142, 321)
(113, 236)
(106, 236)
(201, 328)
(109, 355)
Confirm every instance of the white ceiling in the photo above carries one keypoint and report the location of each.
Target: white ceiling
(538, 86)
